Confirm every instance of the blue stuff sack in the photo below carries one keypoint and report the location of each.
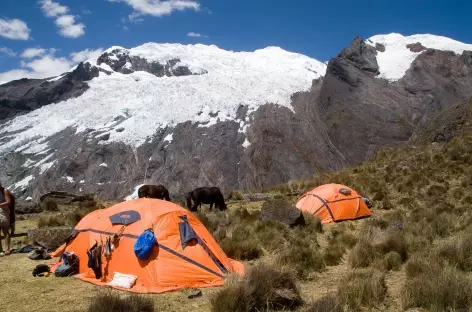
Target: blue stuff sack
(144, 244)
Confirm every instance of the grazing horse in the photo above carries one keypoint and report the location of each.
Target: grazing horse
(153, 191)
(206, 195)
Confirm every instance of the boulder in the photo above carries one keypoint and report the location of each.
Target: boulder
(416, 47)
(64, 198)
(282, 211)
(50, 237)
(27, 208)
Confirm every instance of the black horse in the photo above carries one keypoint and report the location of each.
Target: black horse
(153, 191)
(206, 195)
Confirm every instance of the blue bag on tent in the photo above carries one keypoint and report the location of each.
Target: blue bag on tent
(144, 244)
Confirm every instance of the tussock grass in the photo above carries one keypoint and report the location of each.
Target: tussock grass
(51, 221)
(392, 261)
(302, 258)
(362, 288)
(236, 196)
(248, 250)
(49, 205)
(263, 288)
(362, 255)
(458, 253)
(329, 303)
(441, 289)
(109, 301)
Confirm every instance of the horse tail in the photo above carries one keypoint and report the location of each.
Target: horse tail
(166, 194)
(189, 200)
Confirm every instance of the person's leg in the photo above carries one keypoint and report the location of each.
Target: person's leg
(1, 234)
(7, 241)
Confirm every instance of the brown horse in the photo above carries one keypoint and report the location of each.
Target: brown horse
(153, 191)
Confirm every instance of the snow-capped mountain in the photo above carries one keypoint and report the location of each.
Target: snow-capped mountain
(187, 116)
(397, 52)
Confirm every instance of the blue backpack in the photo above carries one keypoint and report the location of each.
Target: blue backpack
(144, 244)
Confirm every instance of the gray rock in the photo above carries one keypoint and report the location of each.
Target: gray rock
(194, 294)
(25, 95)
(380, 47)
(282, 211)
(121, 61)
(64, 198)
(27, 208)
(49, 238)
(357, 107)
(415, 47)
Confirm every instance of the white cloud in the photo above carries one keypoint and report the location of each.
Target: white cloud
(68, 27)
(159, 7)
(196, 35)
(14, 29)
(53, 9)
(33, 52)
(49, 65)
(7, 51)
(43, 67)
(85, 11)
(65, 22)
(85, 55)
(44, 63)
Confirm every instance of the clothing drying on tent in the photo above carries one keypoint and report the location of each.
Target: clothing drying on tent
(334, 203)
(184, 254)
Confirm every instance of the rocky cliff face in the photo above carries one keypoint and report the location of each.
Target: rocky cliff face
(364, 113)
(352, 109)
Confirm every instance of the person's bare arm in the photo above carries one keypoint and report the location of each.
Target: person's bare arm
(7, 201)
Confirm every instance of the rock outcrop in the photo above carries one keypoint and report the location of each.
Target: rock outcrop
(49, 237)
(25, 95)
(282, 211)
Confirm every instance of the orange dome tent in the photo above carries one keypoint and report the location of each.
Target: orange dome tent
(334, 203)
(185, 255)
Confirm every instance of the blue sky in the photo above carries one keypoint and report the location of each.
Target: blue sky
(319, 29)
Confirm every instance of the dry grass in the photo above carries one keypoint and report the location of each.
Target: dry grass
(236, 196)
(362, 255)
(458, 253)
(55, 220)
(328, 303)
(110, 301)
(362, 288)
(263, 288)
(392, 261)
(49, 205)
(445, 289)
(70, 294)
(302, 258)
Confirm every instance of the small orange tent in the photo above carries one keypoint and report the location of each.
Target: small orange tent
(185, 255)
(334, 203)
